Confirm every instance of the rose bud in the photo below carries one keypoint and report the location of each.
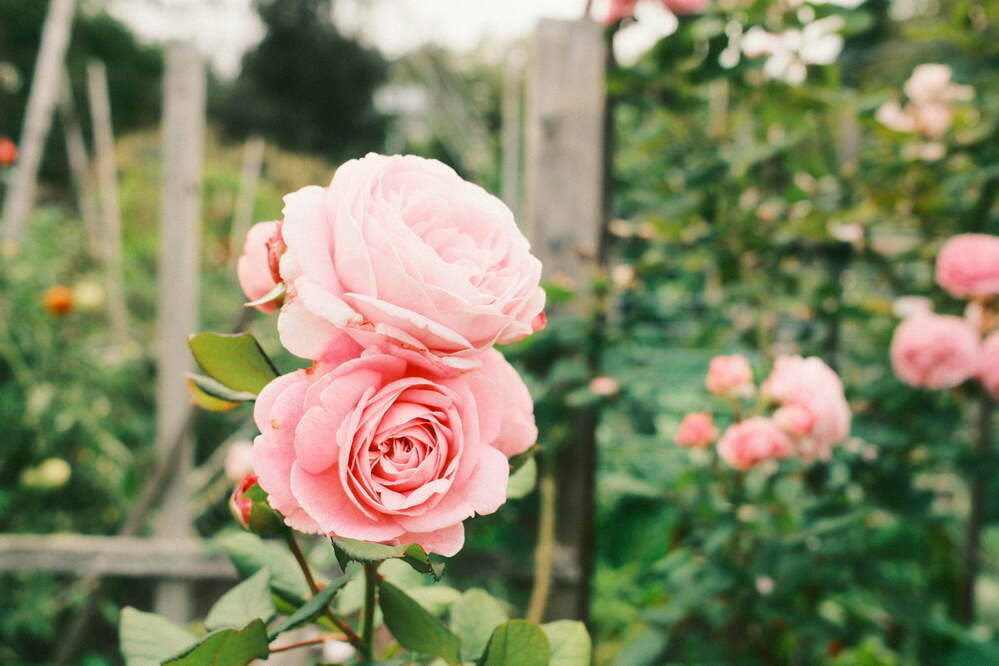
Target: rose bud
(255, 268)
(58, 300)
(696, 430)
(8, 152)
(729, 376)
(248, 506)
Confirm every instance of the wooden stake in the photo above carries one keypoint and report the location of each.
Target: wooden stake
(183, 129)
(42, 100)
(242, 218)
(564, 214)
(107, 182)
(79, 167)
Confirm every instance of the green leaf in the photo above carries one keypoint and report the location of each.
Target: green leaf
(310, 609)
(249, 553)
(205, 400)
(473, 617)
(229, 647)
(146, 639)
(522, 481)
(363, 551)
(517, 643)
(569, 642)
(248, 601)
(236, 361)
(414, 627)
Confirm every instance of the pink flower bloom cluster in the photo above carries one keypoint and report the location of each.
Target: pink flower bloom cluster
(622, 9)
(399, 278)
(810, 413)
(936, 351)
(929, 110)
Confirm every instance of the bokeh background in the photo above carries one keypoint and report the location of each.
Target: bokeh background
(757, 203)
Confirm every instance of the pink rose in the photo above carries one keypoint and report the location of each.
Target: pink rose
(752, 441)
(813, 405)
(968, 265)
(729, 376)
(604, 386)
(401, 252)
(254, 266)
(935, 351)
(620, 9)
(989, 373)
(696, 430)
(686, 6)
(368, 446)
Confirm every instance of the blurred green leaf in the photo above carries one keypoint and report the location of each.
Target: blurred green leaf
(235, 360)
(517, 643)
(522, 481)
(146, 639)
(249, 600)
(570, 643)
(473, 617)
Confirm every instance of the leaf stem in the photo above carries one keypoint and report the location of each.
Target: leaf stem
(303, 564)
(370, 584)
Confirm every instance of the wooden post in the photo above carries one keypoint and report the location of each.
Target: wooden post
(242, 217)
(183, 126)
(565, 184)
(79, 166)
(42, 99)
(107, 181)
(512, 132)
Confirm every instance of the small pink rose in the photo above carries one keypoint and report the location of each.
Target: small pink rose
(254, 266)
(604, 386)
(697, 430)
(406, 256)
(813, 405)
(620, 9)
(989, 373)
(238, 460)
(239, 504)
(968, 265)
(753, 441)
(369, 446)
(729, 376)
(687, 6)
(935, 351)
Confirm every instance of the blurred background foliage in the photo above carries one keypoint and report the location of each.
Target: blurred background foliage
(748, 215)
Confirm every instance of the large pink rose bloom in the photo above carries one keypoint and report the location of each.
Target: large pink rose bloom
(968, 265)
(367, 446)
(989, 372)
(813, 405)
(935, 351)
(752, 441)
(400, 251)
(254, 266)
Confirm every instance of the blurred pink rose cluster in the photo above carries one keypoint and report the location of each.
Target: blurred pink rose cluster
(622, 9)
(808, 412)
(937, 351)
(396, 281)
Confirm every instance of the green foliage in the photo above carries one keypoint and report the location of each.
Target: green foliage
(236, 361)
(306, 86)
(311, 609)
(569, 642)
(351, 550)
(228, 647)
(148, 639)
(517, 643)
(523, 480)
(414, 627)
(473, 617)
(248, 601)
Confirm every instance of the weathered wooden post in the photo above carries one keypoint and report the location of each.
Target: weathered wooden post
(79, 166)
(107, 182)
(249, 181)
(512, 131)
(177, 316)
(45, 85)
(565, 211)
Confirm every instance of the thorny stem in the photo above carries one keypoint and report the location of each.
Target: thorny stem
(370, 584)
(303, 564)
(306, 643)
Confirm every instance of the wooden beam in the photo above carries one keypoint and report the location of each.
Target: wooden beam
(564, 215)
(107, 185)
(79, 167)
(177, 315)
(249, 181)
(42, 99)
(113, 556)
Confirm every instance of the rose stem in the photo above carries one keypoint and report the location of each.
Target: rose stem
(545, 550)
(311, 641)
(303, 564)
(370, 581)
(976, 517)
